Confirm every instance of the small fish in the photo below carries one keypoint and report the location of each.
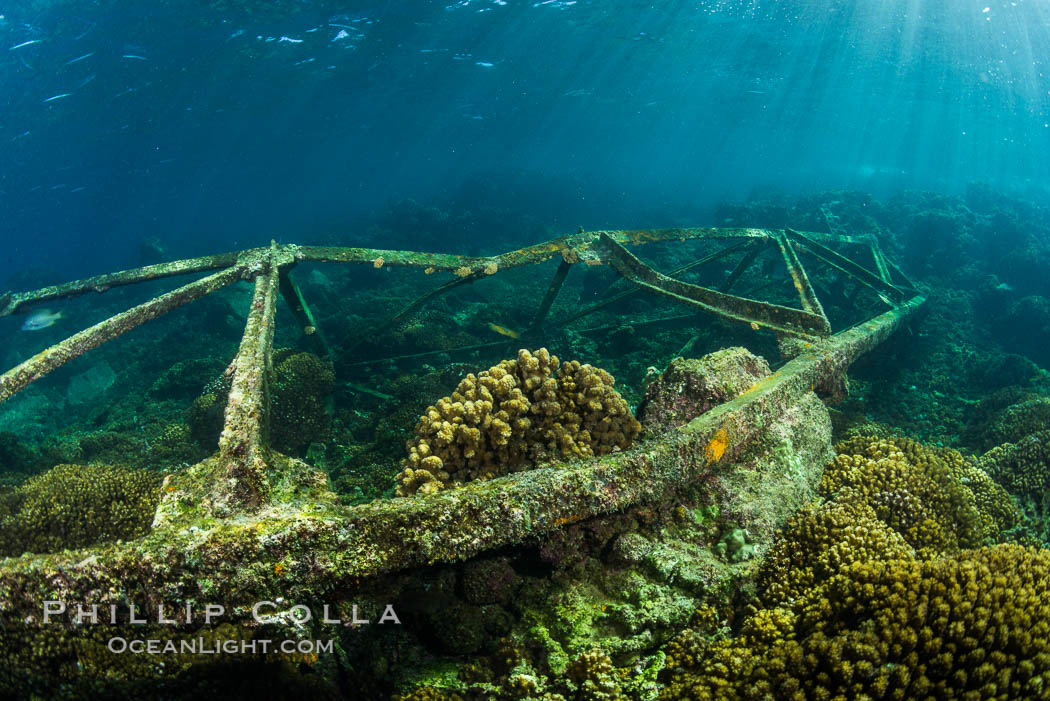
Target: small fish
(290, 40)
(485, 64)
(135, 56)
(40, 320)
(58, 97)
(79, 58)
(25, 43)
(503, 331)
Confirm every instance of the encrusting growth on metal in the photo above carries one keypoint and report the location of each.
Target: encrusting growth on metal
(253, 499)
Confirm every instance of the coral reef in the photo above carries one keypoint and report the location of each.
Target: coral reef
(1021, 467)
(952, 627)
(910, 487)
(299, 395)
(16, 457)
(520, 411)
(586, 609)
(989, 411)
(1014, 422)
(73, 506)
(819, 541)
(593, 602)
(90, 670)
(870, 595)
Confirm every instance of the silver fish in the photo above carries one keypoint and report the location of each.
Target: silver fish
(40, 320)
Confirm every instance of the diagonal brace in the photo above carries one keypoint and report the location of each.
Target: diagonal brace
(784, 320)
(806, 294)
(630, 293)
(846, 266)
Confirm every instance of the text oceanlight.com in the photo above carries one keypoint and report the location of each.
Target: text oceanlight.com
(208, 646)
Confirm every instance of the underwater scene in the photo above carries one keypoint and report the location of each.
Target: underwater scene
(551, 350)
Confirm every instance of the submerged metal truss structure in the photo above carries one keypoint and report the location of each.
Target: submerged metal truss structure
(267, 503)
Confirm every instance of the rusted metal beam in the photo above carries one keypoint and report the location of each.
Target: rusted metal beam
(584, 247)
(56, 356)
(717, 255)
(753, 251)
(803, 286)
(412, 307)
(859, 240)
(243, 444)
(908, 284)
(379, 257)
(640, 236)
(880, 261)
(14, 302)
(784, 320)
(430, 353)
(581, 245)
(847, 266)
(640, 324)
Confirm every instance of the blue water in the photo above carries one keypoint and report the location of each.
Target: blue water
(223, 125)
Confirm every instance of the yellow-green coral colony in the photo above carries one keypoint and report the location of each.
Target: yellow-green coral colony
(971, 626)
(519, 412)
(870, 596)
(73, 506)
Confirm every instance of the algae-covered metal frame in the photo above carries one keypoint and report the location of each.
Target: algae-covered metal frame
(270, 509)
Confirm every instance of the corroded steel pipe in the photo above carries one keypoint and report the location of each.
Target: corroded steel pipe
(243, 445)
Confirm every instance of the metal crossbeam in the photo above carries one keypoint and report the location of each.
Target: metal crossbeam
(596, 247)
(717, 255)
(774, 317)
(847, 266)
